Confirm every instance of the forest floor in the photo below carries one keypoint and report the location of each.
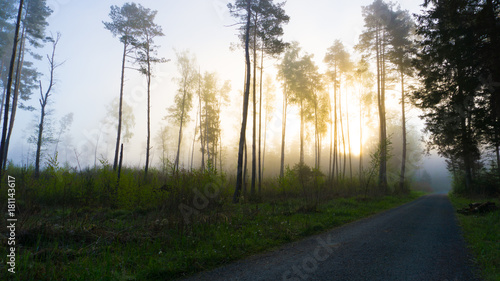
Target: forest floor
(83, 243)
(482, 233)
(417, 241)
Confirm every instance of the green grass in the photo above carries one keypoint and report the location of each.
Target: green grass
(482, 233)
(82, 243)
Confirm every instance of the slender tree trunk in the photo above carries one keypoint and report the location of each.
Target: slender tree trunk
(497, 152)
(176, 164)
(254, 115)
(245, 171)
(43, 103)
(342, 132)
(9, 84)
(120, 108)
(3, 100)
(119, 170)
(335, 168)
(403, 124)
(2, 63)
(202, 136)
(330, 171)
(260, 118)
(220, 131)
(149, 112)
(320, 139)
(17, 85)
(302, 131)
(239, 173)
(497, 143)
(360, 140)
(348, 136)
(194, 140)
(466, 155)
(382, 100)
(283, 131)
(264, 148)
(207, 127)
(316, 165)
(382, 180)
(220, 154)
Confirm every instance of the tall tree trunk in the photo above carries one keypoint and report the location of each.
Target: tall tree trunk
(403, 124)
(176, 163)
(342, 132)
(120, 107)
(264, 148)
(319, 151)
(360, 140)
(283, 131)
(382, 179)
(335, 167)
(330, 171)
(9, 84)
(254, 115)
(302, 131)
(202, 136)
(2, 63)
(239, 173)
(382, 100)
(207, 127)
(497, 143)
(194, 140)
(245, 171)
(17, 85)
(220, 154)
(43, 103)
(316, 162)
(348, 136)
(260, 117)
(149, 112)
(466, 155)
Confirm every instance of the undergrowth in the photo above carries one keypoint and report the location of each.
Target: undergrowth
(90, 225)
(482, 232)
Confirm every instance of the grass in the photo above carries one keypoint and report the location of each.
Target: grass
(77, 242)
(482, 233)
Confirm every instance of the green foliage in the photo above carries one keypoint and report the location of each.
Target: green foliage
(457, 64)
(482, 233)
(148, 239)
(487, 183)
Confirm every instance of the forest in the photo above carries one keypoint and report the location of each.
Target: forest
(273, 134)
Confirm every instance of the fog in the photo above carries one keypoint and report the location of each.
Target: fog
(88, 82)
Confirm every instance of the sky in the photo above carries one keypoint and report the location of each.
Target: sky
(89, 79)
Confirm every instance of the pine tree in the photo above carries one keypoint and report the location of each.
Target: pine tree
(125, 24)
(187, 82)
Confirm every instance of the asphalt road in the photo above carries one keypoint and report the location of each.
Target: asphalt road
(417, 241)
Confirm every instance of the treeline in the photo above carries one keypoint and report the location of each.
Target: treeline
(446, 63)
(387, 42)
(323, 99)
(459, 66)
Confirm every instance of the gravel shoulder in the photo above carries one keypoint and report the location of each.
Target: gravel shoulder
(420, 240)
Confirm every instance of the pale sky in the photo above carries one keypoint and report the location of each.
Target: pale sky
(89, 79)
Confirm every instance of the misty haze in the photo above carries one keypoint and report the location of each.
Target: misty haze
(250, 140)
